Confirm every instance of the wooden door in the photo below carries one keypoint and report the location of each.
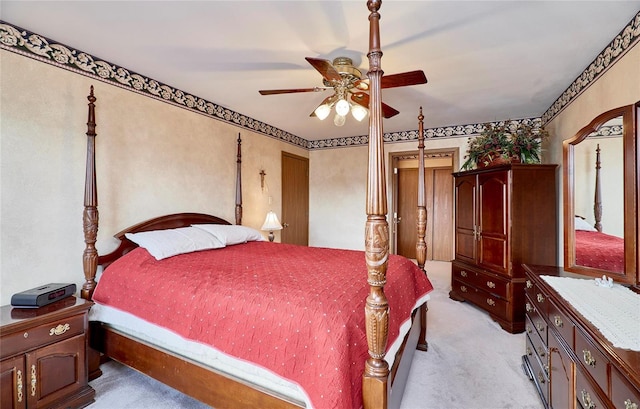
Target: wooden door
(493, 222)
(466, 214)
(439, 204)
(295, 199)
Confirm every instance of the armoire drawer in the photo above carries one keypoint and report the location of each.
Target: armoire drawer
(481, 281)
(487, 301)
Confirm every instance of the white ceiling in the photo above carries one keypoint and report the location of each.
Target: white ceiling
(484, 60)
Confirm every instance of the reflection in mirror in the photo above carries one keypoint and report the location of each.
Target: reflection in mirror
(598, 198)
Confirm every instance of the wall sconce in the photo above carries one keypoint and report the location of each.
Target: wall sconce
(271, 223)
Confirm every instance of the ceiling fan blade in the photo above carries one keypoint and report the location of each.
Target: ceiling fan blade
(403, 79)
(362, 98)
(325, 69)
(328, 100)
(290, 91)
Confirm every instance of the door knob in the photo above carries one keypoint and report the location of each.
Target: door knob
(285, 225)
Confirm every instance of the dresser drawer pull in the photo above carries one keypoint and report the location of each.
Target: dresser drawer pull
(540, 326)
(541, 377)
(541, 351)
(19, 385)
(587, 403)
(463, 288)
(540, 298)
(558, 321)
(528, 351)
(529, 307)
(630, 405)
(491, 302)
(529, 284)
(59, 330)
(463, 273)
(491, 284)
(588, 358)
(33, 380)
(528, 329)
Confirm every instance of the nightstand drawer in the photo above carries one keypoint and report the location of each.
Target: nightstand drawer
(44, 334)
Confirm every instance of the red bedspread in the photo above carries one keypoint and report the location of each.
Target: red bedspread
(298, 311)
(599, 250)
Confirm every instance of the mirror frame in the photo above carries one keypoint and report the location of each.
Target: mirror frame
(630, 137)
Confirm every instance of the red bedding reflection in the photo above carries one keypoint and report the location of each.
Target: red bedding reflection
(599, 250)
(298, 311)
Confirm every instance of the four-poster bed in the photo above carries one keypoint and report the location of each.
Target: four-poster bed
(593, 248)
(391, 337)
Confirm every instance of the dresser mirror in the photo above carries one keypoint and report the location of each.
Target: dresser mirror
(601, 197)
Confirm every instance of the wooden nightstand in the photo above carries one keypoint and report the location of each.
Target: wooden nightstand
(43, 356)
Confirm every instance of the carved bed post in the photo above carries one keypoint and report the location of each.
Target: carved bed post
(239, 183)
(376, 372)
(597, 199)
(421, 245)
(90, 214)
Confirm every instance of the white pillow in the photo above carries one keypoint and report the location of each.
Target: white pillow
(231, 234)
(581, 224)
(170, 242)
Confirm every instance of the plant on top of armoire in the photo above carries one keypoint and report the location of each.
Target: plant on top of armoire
(502, 143)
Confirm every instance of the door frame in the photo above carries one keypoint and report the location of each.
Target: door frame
(394, 158)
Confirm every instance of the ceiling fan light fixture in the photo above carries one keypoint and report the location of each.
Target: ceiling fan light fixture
(342, 107)
(323, 111)
(339, 120)
(359, 112)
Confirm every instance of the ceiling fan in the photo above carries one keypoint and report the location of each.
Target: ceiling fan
(348, 83)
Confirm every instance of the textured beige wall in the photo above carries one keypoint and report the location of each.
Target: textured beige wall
(338, 190)
(619, 86)
(152, 159)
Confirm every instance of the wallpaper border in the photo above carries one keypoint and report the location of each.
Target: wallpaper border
(32, 45)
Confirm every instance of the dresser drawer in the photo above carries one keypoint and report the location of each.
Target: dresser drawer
(539, 347)
(623, 395)
(537, 321)
(590, 357)
(44, 334)
(588, 396)
(481, 281)
(539, 368)
(561, 323)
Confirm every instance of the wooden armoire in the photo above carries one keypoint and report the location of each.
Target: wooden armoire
(504, 216)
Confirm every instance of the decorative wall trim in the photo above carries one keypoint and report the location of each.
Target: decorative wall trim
(458, 131)
(623, 42)
(35, 46)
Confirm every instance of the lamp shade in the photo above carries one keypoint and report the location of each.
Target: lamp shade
(271, 222)
(359, 112)
(323, 111)
(342, 107)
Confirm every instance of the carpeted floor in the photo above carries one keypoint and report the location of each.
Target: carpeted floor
(471, 363)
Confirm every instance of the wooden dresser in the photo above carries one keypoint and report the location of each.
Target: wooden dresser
(43, 356)
(571, 364)
(504, 216)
